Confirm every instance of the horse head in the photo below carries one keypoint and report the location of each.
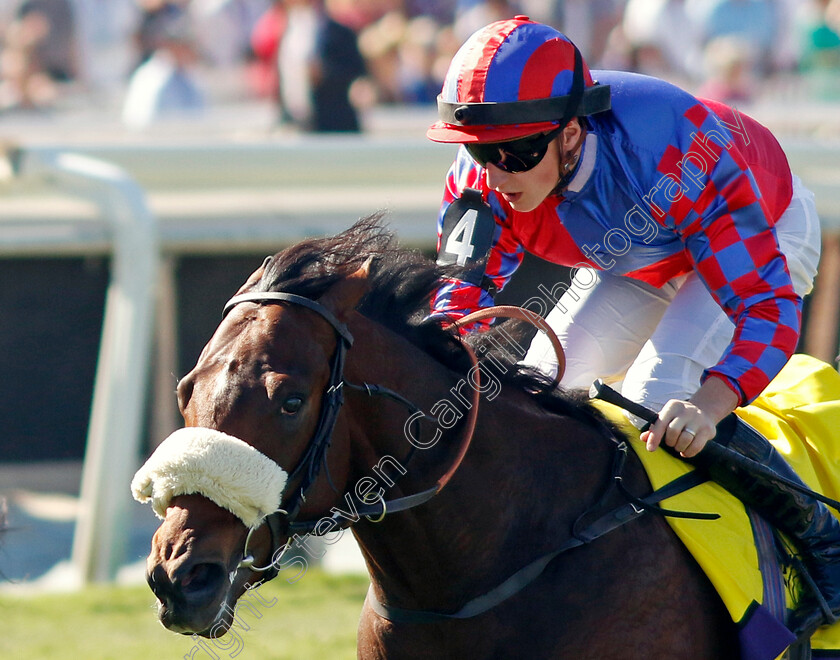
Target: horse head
(260, 409)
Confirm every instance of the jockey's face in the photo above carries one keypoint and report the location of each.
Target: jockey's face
(524, 191)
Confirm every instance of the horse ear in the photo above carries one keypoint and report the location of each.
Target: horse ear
(343, 296)
(255, 277)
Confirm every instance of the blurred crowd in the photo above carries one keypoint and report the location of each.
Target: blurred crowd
(320, 62)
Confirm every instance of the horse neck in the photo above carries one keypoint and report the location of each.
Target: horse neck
(514, 497)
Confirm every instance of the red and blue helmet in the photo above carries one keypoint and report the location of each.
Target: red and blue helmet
(514, 78)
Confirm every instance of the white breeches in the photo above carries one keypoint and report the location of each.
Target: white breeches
(654, 343)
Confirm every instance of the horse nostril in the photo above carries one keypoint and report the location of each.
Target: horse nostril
(159, 582)
(189, 584)
(201, 579)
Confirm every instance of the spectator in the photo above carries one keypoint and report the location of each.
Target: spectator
(417, 54)
(39, 54)
(820, 57)
(754, 21)
(441, 11)
(380, 44)
(265, 44)
(163, 86)
(107, 53)
(24, 85)
(470, 15)
(729, 66)
(592, 21)
(662, 39)
(787, 43)
(318, 61)
(446, 45)
(56, 53)
(155, 18)
(359, 14)
(821, 43)
(224, 27)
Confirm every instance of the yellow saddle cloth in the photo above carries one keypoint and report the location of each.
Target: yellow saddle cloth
(800, 414)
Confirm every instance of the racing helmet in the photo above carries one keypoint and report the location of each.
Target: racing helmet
(514, 78)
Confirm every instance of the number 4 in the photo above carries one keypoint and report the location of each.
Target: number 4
(459, 242)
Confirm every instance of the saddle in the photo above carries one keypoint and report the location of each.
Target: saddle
(742, 556)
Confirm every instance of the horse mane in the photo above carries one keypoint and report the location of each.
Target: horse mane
(401, 284)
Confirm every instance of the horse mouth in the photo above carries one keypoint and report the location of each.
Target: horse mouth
(210, 622)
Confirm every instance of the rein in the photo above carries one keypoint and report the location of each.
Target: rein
(603, 524)
(581, 534)
(513, 312)
(283, 522)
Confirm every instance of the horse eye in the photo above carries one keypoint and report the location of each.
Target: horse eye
(292, 405)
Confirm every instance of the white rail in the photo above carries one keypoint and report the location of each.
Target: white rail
(243, 197)
(116, 420)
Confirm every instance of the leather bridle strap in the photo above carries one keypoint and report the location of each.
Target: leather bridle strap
(285, 519)
(314, 456)
(279, 296)
(310, 463)
(504, 311)
(385, 507)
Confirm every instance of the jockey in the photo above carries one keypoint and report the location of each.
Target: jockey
(690, 241)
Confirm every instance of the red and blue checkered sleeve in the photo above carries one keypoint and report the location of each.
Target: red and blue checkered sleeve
(457, 298)
(709, 196)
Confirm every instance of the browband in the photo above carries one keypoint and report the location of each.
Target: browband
(277, 297)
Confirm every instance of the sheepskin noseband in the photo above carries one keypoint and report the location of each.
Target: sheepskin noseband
(224, 469)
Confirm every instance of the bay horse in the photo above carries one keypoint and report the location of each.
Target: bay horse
(538, 462)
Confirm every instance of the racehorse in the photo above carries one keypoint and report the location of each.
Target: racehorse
(440, 551)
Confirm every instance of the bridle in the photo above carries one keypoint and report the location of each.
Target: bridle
(283, 523)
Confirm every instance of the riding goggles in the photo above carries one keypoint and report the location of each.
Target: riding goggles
(515, 156)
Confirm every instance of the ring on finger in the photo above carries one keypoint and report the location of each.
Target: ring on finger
(690, 432)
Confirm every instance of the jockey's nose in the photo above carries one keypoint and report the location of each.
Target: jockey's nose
(495, 176)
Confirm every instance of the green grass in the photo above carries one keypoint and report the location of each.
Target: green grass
(315, 617)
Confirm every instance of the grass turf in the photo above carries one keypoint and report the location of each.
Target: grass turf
(315, 617)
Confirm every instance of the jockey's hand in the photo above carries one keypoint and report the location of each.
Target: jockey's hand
(683, 426)
(689, 425)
